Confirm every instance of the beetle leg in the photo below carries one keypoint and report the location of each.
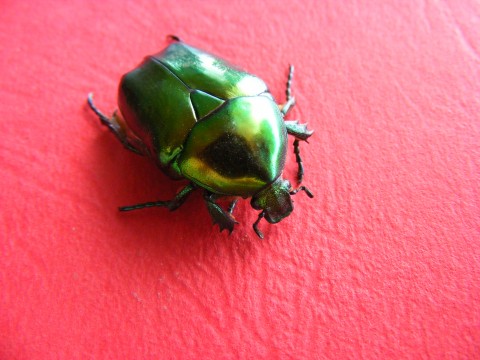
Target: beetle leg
(302, 188)
(116, 128)
(285, 108)
(300, 132)
(224, 219)
(173, 204)
(296, 151)
(173, 38)
(231, 207)
(255, 225)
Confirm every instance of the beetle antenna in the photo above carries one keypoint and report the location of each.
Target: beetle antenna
(302, 188)
(255, 225)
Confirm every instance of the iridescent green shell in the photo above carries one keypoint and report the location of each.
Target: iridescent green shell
(202, 119)
(238, 149)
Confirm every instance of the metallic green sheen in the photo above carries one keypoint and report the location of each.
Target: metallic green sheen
(156, 106)
(204, 103)
(167, 94)
(237, 150)
(203, 71)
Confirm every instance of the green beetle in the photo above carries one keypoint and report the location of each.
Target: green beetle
(204, 120)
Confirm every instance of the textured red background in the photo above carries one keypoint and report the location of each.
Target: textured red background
(383, 263)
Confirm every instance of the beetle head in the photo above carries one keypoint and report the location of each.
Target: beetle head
(274, 200)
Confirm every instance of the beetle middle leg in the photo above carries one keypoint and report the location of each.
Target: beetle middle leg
(171, 205)
(117, 128)
(223, 218)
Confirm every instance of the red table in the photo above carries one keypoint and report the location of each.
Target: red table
(384, 262)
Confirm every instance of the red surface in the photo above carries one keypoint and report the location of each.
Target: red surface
(383, 263)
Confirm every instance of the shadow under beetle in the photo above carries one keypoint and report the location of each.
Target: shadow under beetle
(202, 119)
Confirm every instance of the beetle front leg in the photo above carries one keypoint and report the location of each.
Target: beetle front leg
(231, 207)
(300, 132)
(302, 188)
(171, 205)
(296, 151)
(117, 129)
(224, 219)
(255, 225)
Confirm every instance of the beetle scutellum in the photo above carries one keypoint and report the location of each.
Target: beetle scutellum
(204, 120)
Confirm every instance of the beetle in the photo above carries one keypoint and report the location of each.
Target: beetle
(202, 119)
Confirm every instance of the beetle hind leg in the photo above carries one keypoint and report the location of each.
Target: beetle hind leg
(116, 126)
